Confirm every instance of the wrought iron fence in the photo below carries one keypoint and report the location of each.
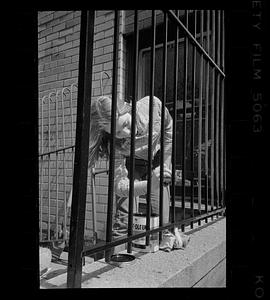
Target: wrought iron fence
(56, 160)
(198, 154)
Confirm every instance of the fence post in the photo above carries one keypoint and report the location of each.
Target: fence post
(185, 82)
(133, 128)
(74, 271)
(175, 75)
(109, 224)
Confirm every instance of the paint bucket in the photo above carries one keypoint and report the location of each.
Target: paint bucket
(139, 224)
(45, 258)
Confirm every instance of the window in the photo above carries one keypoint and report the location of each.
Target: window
(144, 83)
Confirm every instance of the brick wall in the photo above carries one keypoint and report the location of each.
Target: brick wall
(58, 40)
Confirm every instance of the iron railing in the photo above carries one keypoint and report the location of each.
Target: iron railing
(206, 193)
(56, 155)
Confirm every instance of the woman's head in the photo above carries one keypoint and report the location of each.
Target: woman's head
(101, 111)
(100, 125)
(101, 115)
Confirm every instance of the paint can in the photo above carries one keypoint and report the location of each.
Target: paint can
(139, 224)
(45, 258)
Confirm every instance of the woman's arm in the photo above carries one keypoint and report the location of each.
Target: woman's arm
(122, 183)
(168, 138)
(168, 133)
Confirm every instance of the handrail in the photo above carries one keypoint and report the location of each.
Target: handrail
(97, 248)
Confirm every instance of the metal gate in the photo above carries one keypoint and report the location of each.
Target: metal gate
(57, 122)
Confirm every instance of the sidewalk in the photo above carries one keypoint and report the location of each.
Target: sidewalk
(202, 263)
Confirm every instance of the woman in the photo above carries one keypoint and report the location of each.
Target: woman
(100, 123)
(99, 138)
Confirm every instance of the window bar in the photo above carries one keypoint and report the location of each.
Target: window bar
(164, 87)
(223, 168)
(193, 119)
(224, 34)
(217, 171)
(221, 137)
(200, 121)
(176, 41)
(64, 163)
(133, 127)
(184, 125)
(207, 111)
(221, 154)
(77, 221)
(212, 112)
(150, 131)
(112, 139)
(49, 170)
(194, 41)
(224, 92)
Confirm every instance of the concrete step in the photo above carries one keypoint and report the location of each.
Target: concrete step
(201, 263)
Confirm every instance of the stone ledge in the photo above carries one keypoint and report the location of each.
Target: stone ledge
(178, 268)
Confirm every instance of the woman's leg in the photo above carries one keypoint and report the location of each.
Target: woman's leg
(121, 218)
(120, 225)
(166, 203)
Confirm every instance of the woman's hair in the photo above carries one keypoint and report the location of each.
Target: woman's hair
(101, 117)
(99, 138)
